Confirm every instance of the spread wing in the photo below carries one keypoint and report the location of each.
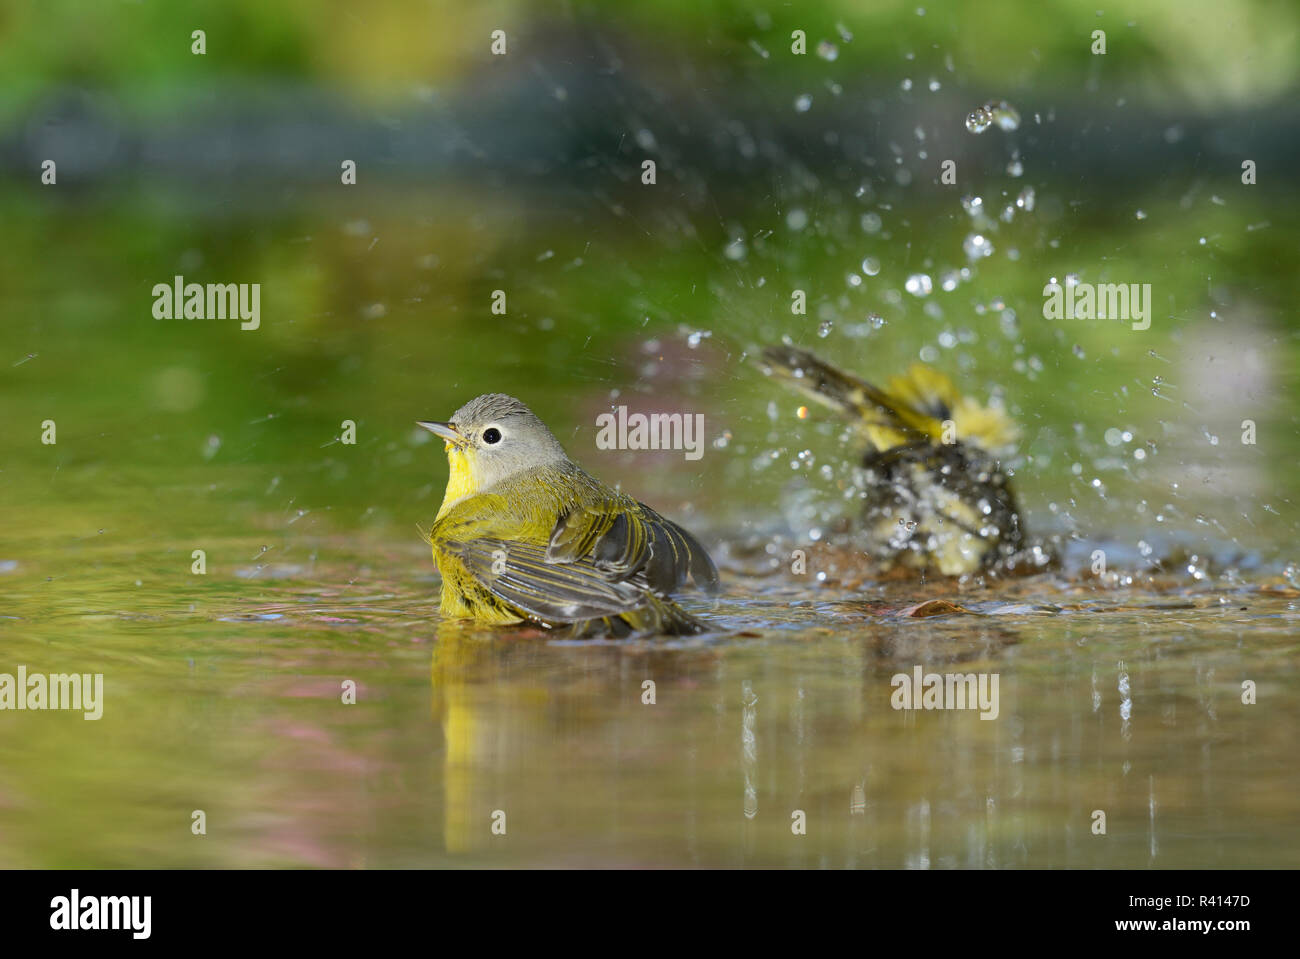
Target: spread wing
(624, 539)
(913, 408)
(520, 574)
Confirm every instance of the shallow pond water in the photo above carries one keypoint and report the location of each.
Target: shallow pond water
(229, 699)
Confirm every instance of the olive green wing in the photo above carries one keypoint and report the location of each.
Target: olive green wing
(521, 574)
(623, 538)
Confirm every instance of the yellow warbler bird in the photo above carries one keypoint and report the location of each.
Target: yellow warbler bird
(935, 496)
(524, 534)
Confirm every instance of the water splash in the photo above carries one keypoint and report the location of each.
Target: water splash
(1000, 112)
(977, 246)
(979, 120)
(919, 284)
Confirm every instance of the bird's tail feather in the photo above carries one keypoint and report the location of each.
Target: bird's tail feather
(844, 392)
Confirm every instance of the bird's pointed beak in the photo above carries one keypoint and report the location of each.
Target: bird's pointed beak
(444, 430)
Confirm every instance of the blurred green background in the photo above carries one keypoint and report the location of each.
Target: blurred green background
(522, 173)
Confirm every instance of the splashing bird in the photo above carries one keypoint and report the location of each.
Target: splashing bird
(935, 497)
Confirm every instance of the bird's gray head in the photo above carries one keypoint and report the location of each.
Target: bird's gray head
(490, 439)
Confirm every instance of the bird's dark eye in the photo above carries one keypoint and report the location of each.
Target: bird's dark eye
(491, 435)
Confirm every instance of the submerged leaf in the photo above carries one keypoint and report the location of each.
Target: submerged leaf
(934, 607)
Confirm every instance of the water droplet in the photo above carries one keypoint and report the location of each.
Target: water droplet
(919, 284)
(827, 50)
(1015, 168)
(977, 246)
(1292, 574)
(803, 103)
(876, 320)
(870, 266)
(979, 120)
(1026, 199)
(824, 328)
(1004, 115)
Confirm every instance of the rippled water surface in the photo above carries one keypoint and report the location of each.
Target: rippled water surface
(228, 699)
